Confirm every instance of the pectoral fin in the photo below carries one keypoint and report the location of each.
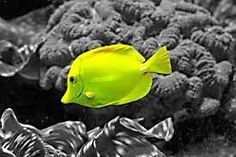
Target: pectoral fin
(90, 94)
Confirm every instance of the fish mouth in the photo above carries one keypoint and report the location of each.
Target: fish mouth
(71, 96)
(66, 99)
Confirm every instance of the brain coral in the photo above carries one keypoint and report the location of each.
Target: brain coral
(196, 40)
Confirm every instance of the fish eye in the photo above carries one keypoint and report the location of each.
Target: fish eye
(72, 79)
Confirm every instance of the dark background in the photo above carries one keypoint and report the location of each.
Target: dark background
(14, 8)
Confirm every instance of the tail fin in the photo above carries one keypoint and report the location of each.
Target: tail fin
(159, 62)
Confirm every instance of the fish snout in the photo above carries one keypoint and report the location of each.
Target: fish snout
(66, 99)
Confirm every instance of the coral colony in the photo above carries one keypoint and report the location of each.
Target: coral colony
(200, 38)
(199, 48)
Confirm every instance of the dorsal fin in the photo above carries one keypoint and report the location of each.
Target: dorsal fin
(127, 50)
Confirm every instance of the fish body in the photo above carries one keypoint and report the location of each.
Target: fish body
(113, 75)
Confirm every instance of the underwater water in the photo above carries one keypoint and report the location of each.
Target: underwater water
(190, 112)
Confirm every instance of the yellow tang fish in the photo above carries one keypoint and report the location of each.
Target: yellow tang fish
(113, 75)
